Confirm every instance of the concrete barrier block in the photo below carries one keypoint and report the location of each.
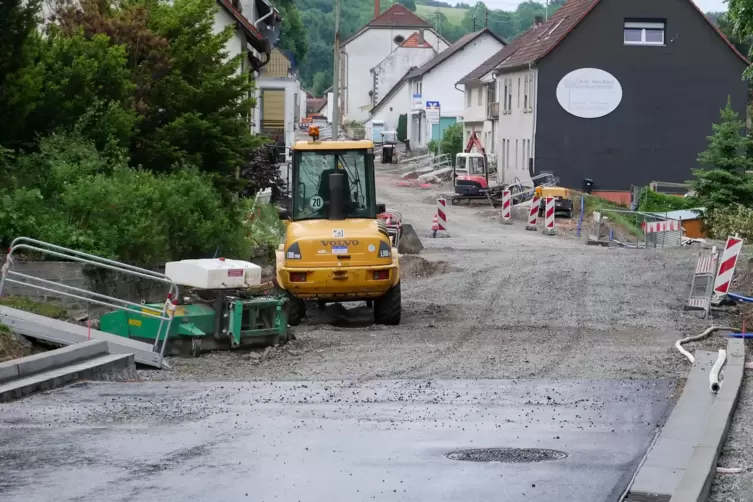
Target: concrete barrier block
(8, 371)
(57, 358)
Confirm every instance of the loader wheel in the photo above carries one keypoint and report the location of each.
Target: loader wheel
(296, 310)
(387, 308)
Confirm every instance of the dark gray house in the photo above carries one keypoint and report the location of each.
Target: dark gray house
(621, 92)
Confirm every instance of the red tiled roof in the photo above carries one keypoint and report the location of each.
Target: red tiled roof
(414, 42)
(538, 41)
(397, 15)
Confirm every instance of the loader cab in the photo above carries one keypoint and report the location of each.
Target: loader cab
(333, 180)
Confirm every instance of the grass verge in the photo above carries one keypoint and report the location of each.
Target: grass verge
(28, 305)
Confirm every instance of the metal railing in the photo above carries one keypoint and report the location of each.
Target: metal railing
(7, 274)
(627, 228)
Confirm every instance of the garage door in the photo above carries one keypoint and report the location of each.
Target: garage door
(273, 109)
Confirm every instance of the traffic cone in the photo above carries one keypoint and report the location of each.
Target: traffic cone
(434, 226)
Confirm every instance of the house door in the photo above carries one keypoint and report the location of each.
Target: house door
(437, 130)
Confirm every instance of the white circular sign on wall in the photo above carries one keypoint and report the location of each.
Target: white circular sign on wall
(589, 93)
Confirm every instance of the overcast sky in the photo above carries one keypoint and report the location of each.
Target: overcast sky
(705, 5)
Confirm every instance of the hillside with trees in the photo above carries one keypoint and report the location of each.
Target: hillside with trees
(452, 22)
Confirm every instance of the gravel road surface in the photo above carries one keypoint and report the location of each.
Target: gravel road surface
(329, 442)
(492, 301)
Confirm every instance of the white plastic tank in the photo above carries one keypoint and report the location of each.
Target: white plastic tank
(214, 273)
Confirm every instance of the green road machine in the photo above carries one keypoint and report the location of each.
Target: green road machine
(222, 304)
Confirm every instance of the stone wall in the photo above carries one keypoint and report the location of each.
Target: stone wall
(78, 275)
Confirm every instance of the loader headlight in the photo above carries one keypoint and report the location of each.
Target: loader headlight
(293, 252)
(384, 250)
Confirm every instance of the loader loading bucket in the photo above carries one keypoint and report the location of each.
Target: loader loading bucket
(409, 242)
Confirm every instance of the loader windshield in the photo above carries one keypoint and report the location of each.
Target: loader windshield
(311, 170)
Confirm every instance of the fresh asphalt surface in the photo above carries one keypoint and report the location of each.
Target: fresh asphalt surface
(326, 441)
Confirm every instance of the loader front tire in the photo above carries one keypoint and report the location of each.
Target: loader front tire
(387, 308)
(296, 310)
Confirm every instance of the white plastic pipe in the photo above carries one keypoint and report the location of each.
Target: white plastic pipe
(715, 370)
(695, 338)
(729, 470)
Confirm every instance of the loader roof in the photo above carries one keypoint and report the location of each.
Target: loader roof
(333, 145)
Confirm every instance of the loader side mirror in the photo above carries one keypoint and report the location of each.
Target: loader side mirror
(381, 208)
(284, 214)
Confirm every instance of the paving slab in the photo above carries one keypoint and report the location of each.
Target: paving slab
(327, 441)
(65, 333)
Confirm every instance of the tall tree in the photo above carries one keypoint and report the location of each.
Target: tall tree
(294, 36)
(723, 180)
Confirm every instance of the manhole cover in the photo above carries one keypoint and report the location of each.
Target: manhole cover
(506, 455)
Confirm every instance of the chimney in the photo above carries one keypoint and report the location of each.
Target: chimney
(377, 10)
(420, 36)
(537, 20)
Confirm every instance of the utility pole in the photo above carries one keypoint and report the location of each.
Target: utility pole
(546, 10)
(336, 77)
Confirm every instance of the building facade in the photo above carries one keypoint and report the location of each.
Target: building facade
(368, 47)
(621, 93)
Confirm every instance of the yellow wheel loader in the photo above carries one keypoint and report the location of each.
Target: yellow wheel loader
(336, 249)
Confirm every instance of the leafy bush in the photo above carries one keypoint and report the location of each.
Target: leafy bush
(452, 141)
(736, 219)
(84, 200)
(651, 201)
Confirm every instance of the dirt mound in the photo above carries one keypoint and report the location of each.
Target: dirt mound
(420, 268)
(12, 346)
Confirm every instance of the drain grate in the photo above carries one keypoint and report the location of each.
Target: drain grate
(507, 455)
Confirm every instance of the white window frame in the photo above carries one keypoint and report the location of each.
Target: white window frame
(509, 98)
(525, 96)
(643, 26)
(504, 105)
(531, 93)
(518, 92)
(480, 96)
(469, 99)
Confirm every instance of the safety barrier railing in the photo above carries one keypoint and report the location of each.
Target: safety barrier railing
(636, 229)
(9, 275)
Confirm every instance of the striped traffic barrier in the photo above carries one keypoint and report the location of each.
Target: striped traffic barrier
(655, 227)
(507, 207)
(701, 288)
(727, 265)
(442, 214)
(549, 216)
(533, 214)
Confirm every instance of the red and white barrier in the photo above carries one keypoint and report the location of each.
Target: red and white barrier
(442, 214)
(727, 265)
(533, 214)
(661, 226)
(507, 207)
(549, 216)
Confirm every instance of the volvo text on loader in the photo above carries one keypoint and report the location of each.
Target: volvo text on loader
(335, 248)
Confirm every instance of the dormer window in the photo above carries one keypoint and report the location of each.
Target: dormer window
(644, 33)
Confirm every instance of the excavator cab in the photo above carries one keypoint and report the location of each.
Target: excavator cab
(471, 172)
(336, 249)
